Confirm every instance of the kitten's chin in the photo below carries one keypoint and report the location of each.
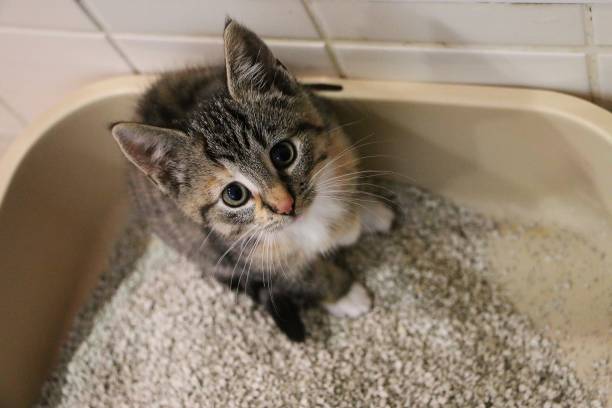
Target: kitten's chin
(284, 222)
(311, 230)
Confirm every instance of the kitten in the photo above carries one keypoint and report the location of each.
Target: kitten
(246, 172)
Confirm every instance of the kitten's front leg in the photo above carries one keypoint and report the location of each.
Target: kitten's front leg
(282, 305)
(285, 312)
(342, 296)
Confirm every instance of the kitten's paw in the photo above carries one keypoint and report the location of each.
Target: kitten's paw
(355, 303)
(377, 217)
(286, 315)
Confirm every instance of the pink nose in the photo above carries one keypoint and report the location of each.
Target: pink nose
(284, 206)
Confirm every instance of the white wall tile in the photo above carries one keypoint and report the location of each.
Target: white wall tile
(560, 70)
(38, 68)
(154, 53)
(467, 23)
(51, 14)
(304, 57)
(157, 53)
(605, 78)
(602, 23)
(271, 18)
(9, 123)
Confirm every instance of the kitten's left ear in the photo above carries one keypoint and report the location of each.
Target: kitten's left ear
(250, 65)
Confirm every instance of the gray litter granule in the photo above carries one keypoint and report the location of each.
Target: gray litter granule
(156, 333)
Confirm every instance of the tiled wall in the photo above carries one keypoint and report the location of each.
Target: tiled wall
(49, 47)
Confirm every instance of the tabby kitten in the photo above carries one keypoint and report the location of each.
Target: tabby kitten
(246, 172)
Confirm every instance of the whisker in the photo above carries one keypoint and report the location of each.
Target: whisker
(340, 155)
(237, 262)
(279, 259)
(368, 193)
(269, 275)
(369, 173)
(249, 255)
(204, 241)
(354, 200)
(365, 175)
(376, 156)
(246, 281)
(346, 124)
(357, 192)
(234, 244)
(286, 264)
(357, 145)
(347, 150)
(360, 184)
(360, 205)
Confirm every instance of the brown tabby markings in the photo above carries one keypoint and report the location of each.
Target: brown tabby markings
(201, 129)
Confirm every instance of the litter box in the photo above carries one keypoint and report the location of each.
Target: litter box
(539, 162)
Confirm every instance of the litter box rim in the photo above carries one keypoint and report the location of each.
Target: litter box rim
(521, 99)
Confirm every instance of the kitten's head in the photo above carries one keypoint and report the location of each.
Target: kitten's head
(257, 155)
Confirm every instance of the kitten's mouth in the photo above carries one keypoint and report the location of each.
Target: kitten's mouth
(285, 221)
(302, 209)
(299, 213)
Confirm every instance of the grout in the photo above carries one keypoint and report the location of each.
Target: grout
(520, 2)
(323, 36)
(50, 32)
(208, 38)
(591, 55)
(377, 43)
(589, 48)
(111, 41)
(477, 47)
(20, 118)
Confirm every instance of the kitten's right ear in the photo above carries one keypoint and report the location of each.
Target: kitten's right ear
(153, 150)
(250, 66)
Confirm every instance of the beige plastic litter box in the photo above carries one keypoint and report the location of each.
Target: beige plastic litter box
(519, 155)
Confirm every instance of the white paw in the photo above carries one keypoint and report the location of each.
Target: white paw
(377, 217)
(355, 303)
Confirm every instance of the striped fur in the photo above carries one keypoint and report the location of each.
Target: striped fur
(199, 129)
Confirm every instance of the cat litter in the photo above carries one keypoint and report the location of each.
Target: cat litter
(157, 333)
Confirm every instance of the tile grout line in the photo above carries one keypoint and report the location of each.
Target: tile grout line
(322, 36)
(591, 54)
(18, 116)
(387, 43)
(475, 46)
(594, 48)
(111, 41)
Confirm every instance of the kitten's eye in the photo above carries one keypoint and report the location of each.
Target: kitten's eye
(235, 194)
(282, 154)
